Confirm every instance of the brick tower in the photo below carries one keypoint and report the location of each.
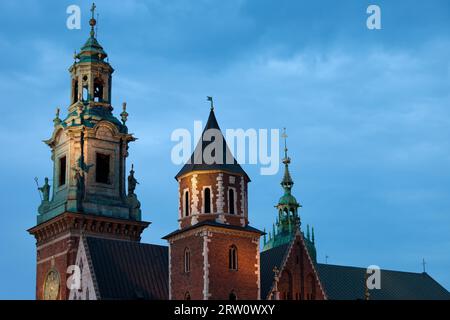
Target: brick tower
(215, 253)
(89, 150)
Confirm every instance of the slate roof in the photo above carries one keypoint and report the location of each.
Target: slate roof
(196, 161)
(129, 270)
(214, 224)
(347, 283)
(268, 260)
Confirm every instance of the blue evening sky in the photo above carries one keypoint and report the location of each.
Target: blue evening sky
(367, 114)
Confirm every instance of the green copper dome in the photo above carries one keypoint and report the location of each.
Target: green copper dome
(91, 51)
(288, 200)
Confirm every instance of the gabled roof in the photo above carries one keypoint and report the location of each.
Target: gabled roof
(268, 260)
(348, 283)
(129, 270)
(196, 161)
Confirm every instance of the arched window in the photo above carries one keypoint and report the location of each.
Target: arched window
(232, 296)
(98, 90)
(75, 91)
(187, 260)
(207, 200)
(232, 258)
(187, 296)
(286, 276)
(311, 295)
(85, 96)
(186, 204)
(231, 201)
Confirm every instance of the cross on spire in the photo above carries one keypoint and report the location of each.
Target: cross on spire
(93, 10)
(286, 159)
(284, 136)
(424, 265)
(93, 22)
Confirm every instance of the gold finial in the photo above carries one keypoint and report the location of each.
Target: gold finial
(124, 114)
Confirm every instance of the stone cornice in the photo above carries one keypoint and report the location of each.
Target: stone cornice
(70, 221)
(210, 230)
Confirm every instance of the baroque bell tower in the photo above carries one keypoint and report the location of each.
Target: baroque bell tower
(88, 194)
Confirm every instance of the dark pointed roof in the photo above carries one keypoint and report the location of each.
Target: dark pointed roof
(129, 270)
(268, 260)
(196, 161)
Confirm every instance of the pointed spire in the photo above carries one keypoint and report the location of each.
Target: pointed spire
(273, 228)
(265, 240)
(312, 235)
(205, 161)
(287, 182)
(307, 232)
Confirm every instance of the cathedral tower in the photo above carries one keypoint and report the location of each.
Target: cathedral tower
(89, 149)
(288, 256)
(215, 253)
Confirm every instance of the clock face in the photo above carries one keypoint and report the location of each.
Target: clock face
(51, 285)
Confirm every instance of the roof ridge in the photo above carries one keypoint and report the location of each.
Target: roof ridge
(364, 268)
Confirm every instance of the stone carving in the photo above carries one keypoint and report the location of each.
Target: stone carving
(132, 181)
(79, 178)
(45, 191)
(133, 202)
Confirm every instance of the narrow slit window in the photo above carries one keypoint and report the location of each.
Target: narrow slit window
(232, 258)
(187, 260)
(75, 91)
(207, 200)
(62, 171)
(102, 168)
(231, 201)
(186, 203)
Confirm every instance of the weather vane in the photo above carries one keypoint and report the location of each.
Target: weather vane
(208, 98)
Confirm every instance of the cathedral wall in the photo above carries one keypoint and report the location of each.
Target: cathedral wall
(298, 280)
(182, 282)
(245, 280)
(57, 254)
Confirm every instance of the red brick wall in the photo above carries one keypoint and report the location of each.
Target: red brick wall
(222, 281)
(210, 179)
(298, 280)
(64, 252)
(182, 282)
